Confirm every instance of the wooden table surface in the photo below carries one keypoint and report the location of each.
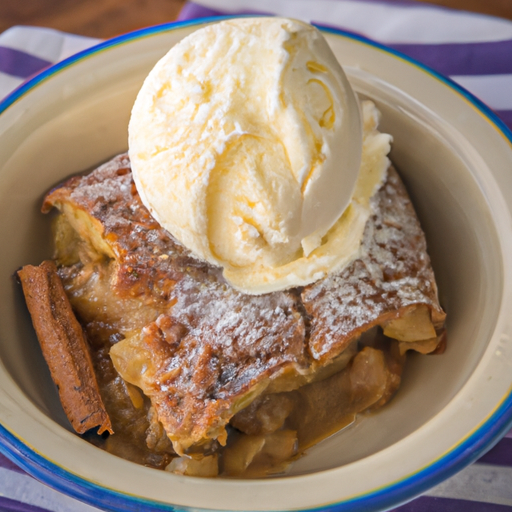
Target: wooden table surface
(107, 18)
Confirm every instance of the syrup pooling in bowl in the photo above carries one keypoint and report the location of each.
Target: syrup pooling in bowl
(266, 436)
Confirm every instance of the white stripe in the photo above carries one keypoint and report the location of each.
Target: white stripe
(385, 23)
(479, 482)
(44, 43)
(7, 84)
(73, 44)
(23, 488)
(494, 90)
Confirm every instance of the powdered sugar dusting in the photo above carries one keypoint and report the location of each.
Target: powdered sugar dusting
(392, 272)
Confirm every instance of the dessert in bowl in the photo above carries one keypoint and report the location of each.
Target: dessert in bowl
(432, 150)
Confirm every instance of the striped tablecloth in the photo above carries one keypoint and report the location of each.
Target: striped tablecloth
(474, 50)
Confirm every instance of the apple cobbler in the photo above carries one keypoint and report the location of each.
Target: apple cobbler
(157, 359)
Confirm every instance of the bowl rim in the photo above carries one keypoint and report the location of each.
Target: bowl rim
(466, 451)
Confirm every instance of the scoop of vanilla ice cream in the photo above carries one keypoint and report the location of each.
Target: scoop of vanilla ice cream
(245, 142)
(342, 243)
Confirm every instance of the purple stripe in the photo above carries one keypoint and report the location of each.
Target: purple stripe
(432, 504)
(490, 58)
(8, 464)
(500, 455)
(191, 11)
(7, 505)
(20, 64)
(405, 3)
(506, 117)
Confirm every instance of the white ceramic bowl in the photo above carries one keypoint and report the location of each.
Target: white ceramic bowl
(456, 159)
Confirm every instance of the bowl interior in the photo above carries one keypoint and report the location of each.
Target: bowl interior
(77, 118)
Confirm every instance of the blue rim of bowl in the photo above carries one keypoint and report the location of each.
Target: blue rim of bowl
(484, 437)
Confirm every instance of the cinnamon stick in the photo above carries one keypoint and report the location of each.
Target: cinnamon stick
(64, 347)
